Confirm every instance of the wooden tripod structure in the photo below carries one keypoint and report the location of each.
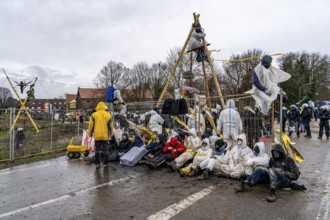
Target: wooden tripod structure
(210, 62)
(22, 103)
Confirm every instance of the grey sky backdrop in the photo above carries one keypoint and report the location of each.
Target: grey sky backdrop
(66, 43)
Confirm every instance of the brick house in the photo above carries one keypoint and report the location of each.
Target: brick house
(46, 104)
(71, 101)
(87, 98)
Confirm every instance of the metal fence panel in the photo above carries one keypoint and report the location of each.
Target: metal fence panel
(4, 134)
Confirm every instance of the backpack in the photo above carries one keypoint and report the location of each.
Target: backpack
(110, 95)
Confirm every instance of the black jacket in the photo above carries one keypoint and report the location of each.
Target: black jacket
(323, 115)
(158, 147)
(307, 114)
(284, 163)
(125, 146)
(294, 115)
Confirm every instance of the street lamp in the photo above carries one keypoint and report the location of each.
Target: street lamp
(307, 84)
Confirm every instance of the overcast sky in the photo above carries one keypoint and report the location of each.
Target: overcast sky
(66, 43)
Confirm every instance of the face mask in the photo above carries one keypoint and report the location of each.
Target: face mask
(256, 151)
(124, 137)
(239, 142)
(276, 154)
(157, 141)
(204, 147)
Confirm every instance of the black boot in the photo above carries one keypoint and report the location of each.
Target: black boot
(192, 173)
(172, 165)
(195, 171)
(241, 187)
(205, 175)
(272, 194)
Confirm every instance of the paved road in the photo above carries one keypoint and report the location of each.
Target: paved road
(71, 189)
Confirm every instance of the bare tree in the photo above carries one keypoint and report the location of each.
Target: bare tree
(4, 95)
(157, 79)
(111, 74)
(187, 63)
(138, 82)
(235, 73)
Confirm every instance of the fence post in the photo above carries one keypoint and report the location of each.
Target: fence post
(11, 133)
(51, 130)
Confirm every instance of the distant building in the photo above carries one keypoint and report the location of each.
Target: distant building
(71, 101)
(46, 104)
(87, 98)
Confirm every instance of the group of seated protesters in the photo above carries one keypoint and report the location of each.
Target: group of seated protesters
(190, 156)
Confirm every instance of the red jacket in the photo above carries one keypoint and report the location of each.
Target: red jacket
(175, 144)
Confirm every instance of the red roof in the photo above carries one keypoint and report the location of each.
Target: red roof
(89, 93)
(70, 97)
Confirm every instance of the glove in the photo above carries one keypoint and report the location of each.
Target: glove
(268, 92)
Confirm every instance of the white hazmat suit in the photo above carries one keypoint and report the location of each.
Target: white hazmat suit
(156, 122)
(192, 143)
(259, 159)
(229, 124)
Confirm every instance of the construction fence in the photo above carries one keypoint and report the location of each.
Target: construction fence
(56, 128)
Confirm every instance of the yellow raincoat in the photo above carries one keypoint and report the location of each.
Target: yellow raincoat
(100, 123)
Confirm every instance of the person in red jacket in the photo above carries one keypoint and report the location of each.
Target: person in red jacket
(173, 149)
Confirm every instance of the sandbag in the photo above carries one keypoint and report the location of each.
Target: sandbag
(133, 156)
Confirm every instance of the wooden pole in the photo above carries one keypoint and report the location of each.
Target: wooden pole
(199, 117)
(210, 61)
(216, 82)
(207, 91)
(175, 66)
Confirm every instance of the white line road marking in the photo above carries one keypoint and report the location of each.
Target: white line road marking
(176, 208)
(325, 202)
(64, 197)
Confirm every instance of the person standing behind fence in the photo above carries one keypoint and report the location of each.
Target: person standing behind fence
(230, 124)
(101, 125)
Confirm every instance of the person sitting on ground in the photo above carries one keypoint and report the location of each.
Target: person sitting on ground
(173, 149)
(155, 156)
(260, 157)
(203, 153)
(137, 141)
(214, 162)
(124, 145)
(191, 144)
(238, 155)
(280, 174)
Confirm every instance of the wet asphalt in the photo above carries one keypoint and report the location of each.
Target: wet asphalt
(72, 189)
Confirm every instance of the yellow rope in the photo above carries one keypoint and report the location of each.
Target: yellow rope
(244, 59)
(250, 58)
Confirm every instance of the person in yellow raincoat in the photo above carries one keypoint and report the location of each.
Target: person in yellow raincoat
(100, 124)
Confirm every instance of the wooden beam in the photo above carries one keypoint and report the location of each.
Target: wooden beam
(175, 66)
(207, 91)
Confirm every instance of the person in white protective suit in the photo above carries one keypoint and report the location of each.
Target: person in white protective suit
(194, 117)
(218, 159)
(238, 157)
(230, 124)
(259, 159)
(155, 122)
(192, 143)
(203, 153)
(119, 102)
(265, 83)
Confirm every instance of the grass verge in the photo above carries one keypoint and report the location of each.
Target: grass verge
(31, 159)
